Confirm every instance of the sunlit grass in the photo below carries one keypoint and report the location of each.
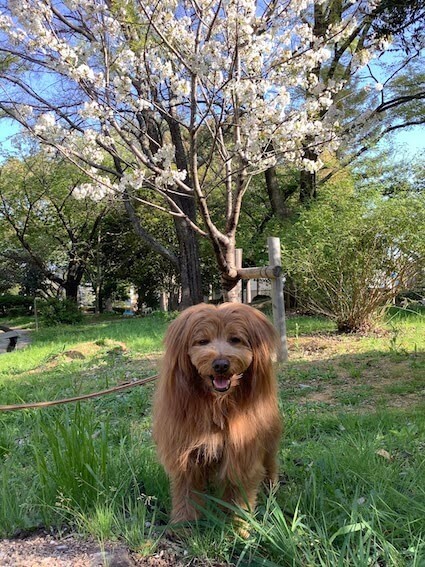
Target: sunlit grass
(352, 468)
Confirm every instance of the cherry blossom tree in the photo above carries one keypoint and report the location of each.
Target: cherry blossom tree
(176, 104)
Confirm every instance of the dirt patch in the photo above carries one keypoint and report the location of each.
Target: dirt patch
(81, 351)
(337, 372)
(321, 346)
(45, 550)
(320, 397)
(84, 350)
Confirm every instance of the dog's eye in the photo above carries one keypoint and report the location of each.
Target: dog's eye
(202, 342)
(235, 340)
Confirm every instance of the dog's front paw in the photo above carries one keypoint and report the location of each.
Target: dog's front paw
(242, 528)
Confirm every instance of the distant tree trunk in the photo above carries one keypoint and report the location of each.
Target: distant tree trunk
(308, 186)
(73, 279)
(276, 197)
(308, 180)
(189, 264)
(97, 285)
(97, 298)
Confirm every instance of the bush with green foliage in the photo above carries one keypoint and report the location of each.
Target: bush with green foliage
(352, 251)
(60, 311)
(15, 304)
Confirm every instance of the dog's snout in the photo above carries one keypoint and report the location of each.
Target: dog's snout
(221, 365)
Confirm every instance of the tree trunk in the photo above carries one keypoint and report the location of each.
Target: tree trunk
(98, 297)
(189, 265)
(71, 288)
(187, 262)
(229, 278)
(276, 198)
(308, 180)
(308, 186)
(98, 276)
(190, 268)
(229, 289)
(74, 276)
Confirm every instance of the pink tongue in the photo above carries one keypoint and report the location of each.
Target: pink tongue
(221, 383)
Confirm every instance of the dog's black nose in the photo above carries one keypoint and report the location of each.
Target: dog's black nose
(221, 365)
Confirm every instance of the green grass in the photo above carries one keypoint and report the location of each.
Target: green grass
(352, 489)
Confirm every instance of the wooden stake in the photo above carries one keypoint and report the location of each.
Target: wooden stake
(35, 314)
(277, 297)
(248, 296)
(238, 264)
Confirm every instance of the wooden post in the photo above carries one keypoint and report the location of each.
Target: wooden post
(248, 297)
(277, 296)
(238, 264)
(163, 301)
(35, 314)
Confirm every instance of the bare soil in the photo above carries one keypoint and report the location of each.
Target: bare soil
(333, 371)
(45, 550)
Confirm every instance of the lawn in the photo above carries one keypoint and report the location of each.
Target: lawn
(352, 489)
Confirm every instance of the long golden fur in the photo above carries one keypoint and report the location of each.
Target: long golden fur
(216, 418)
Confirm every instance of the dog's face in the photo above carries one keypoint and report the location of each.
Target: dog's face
(220, 351)
(219, 345)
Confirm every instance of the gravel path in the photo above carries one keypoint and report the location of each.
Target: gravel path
(23, 341)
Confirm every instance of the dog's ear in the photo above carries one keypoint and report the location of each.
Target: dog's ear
(264, 338)
(264, 341)
(177, 368)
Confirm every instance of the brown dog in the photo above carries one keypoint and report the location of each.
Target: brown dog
(216, 418)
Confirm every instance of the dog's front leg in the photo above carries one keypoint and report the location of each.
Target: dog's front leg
(243, 495)
(271, 466)
(186, 500)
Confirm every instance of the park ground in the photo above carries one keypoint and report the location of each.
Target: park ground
(82, 478)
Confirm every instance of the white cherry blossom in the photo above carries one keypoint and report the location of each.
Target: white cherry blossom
(187, 97)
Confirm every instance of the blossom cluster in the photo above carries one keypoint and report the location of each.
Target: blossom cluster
(241, 72)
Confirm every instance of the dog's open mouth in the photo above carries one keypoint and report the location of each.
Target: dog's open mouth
(220, 382)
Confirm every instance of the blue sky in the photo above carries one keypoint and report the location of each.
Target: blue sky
(412, 139)
(7, 129)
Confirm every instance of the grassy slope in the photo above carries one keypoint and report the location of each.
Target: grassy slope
(353, 471)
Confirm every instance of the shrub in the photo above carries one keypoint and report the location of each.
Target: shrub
(60, 311)
(15, 304)
(351, 253)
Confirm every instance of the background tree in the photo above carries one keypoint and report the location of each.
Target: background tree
(54, 231)
(19, 274)
(189, 100)
(378, 62)
(126, 258)
(122, 257)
